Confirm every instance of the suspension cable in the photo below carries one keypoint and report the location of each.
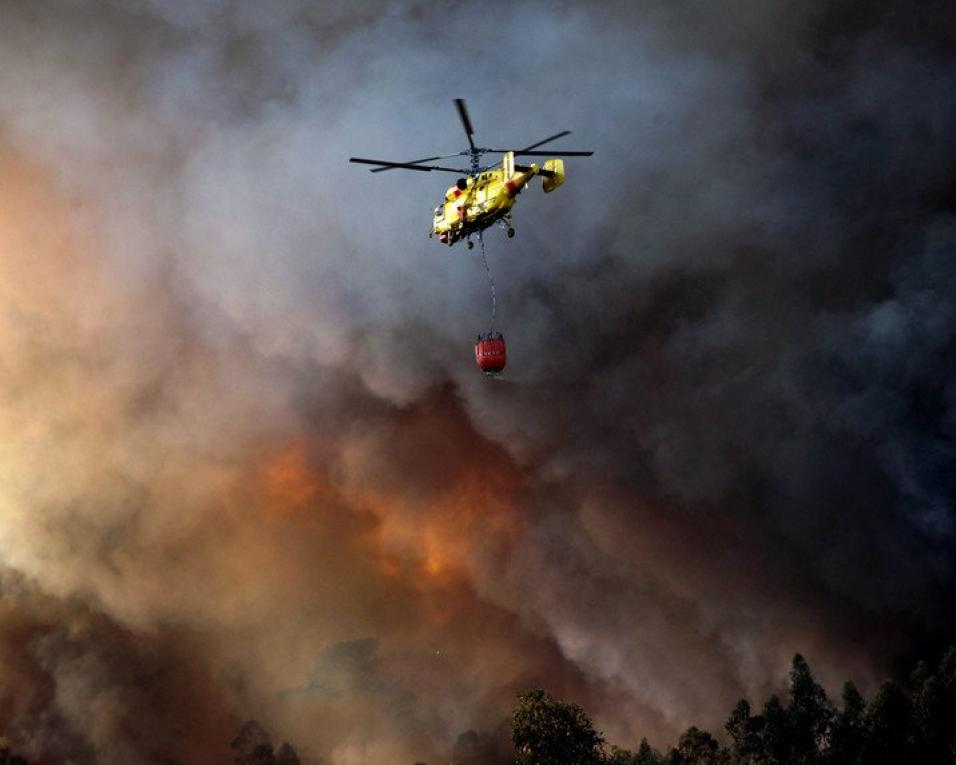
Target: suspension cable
(491, 281)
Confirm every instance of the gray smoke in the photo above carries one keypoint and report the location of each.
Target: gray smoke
(244, 441)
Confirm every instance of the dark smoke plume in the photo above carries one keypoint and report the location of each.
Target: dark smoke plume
(248, 468)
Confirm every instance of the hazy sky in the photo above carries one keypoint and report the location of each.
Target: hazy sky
(248, 468)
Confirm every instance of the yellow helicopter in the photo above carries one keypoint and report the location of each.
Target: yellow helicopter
(484, 194)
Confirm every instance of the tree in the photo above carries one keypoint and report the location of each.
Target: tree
(775, 743)
(888, 727)
(672, 757)
(848, 733)
(934, 711)
(697, 747)
(647, 755)
(254, 747)
(287, 755)
(546, 731)
(810, 714)
(745, 732)
(920, 674)
(946, 710)
(618, 756)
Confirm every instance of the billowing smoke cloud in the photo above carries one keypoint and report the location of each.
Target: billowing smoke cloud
(248, 469)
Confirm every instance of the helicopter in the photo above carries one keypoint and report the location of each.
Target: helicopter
(484, 194)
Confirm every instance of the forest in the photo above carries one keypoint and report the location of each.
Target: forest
(903, 723)
(913, 722)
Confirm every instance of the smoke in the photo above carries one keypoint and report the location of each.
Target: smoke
(248, 469)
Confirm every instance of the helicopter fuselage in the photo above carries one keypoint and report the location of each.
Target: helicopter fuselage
(476, 202)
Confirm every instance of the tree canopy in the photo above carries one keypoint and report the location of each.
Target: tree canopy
(915, 723)
(546, 731)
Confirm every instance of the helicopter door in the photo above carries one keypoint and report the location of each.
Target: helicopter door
(482, 191)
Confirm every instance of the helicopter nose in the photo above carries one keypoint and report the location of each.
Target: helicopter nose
(443, 238)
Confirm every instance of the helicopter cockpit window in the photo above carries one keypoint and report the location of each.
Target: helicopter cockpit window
(438, 212)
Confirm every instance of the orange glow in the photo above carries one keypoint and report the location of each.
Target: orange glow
(435, 562)
(439, 536)
(287, 481)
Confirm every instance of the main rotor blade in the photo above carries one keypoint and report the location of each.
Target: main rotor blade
(416, 162)
(555, 137)
(456, 170)
(387, 165)
(466, 123)
(408, 166)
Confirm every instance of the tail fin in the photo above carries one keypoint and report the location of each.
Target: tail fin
(553, 174)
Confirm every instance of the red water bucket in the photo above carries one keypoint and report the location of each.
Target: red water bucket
(490, 353)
